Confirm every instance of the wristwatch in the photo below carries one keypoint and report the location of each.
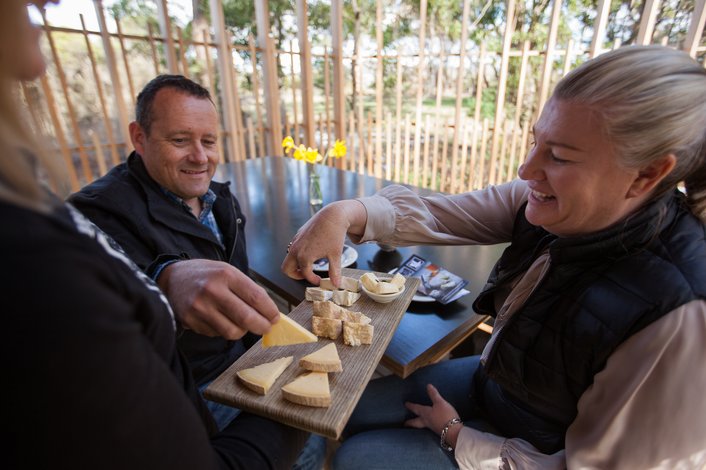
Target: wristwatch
(442, 442)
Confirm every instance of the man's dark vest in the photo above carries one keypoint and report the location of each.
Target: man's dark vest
(599, 290)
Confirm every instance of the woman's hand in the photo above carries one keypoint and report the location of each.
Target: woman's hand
(435, 416)
(322, 237)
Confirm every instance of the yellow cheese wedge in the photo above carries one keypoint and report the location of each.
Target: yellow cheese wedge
(323, 360)
(260, 378)
(310, 389)
(287, 331)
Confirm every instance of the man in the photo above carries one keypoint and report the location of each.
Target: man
(185, 231)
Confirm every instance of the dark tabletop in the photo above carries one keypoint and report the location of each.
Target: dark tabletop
(273, 193)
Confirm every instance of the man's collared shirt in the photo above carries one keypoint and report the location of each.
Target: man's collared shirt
(206, 216)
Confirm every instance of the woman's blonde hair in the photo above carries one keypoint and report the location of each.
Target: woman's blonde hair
(22, 158)
(652, 101)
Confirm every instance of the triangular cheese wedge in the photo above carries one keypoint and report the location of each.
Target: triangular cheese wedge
(260, 378)
(287, 331)
(310, 389)
(324, 360)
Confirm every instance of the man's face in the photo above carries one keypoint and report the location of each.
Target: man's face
(180, 152)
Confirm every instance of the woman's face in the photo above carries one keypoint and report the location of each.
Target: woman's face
(22, 56)
(577, 185)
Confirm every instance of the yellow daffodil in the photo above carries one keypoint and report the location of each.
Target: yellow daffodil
(312, 155)
(299, 152)
(288, 143)
(339, 149)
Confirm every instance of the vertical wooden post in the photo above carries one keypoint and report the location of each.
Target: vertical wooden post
(212, 87)
(85, 164)
(260, 128)
(99, 88)
(292, 76)
(307, 82)
(165, 26)
(338, 80)
(476, 115)
(567, 57)
(225, 64)
(696, 28)
(548, 57)
(59, 133)
(153, 49)
(114, 76)
(327, 100)
(270, 78)
(599, 26)
(647, 22)
(398, 105)
(121, 41)
(420, 76)
(459, 86)
(182, 52)
(378, 90)
(502, 84)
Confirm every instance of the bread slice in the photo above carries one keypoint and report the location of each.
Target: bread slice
(310, 389)
(260, 378)
(325, 359)
(287, 331)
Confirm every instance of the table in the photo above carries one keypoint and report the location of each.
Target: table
(273, 193)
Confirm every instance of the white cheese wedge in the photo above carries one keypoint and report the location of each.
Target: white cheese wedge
(316, 293)
(370, 281)
(310, 389)
(349, 284)
(387, 288)
(287, 331)
(398, 280)
(325, 359)
(345, 298)
(330, 328)
(260, 378)
(355, 334)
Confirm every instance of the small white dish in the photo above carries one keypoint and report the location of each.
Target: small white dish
(348, 257)
(382, 298)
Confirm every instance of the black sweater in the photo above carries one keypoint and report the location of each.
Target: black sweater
(93, 377)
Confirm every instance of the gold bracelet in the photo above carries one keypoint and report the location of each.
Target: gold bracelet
(442, 442)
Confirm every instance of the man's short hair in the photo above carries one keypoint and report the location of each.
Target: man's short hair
(143, 107)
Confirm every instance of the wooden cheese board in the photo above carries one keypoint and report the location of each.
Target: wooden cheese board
(358, 362)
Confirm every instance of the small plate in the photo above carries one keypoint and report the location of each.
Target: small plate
(348, 257)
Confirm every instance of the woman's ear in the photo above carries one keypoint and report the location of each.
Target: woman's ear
(649, 176)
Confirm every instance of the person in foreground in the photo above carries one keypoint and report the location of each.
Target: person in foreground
(596, 356)
(97, 379)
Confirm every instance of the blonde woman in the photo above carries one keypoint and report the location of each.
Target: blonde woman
(597, 355)
(94, 378)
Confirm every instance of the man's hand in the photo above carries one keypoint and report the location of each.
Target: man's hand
(214, 298)
(322, 237)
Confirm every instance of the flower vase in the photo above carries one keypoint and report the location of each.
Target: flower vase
(316, 199)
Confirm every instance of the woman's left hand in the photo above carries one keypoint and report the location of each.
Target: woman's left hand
(433, 417)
